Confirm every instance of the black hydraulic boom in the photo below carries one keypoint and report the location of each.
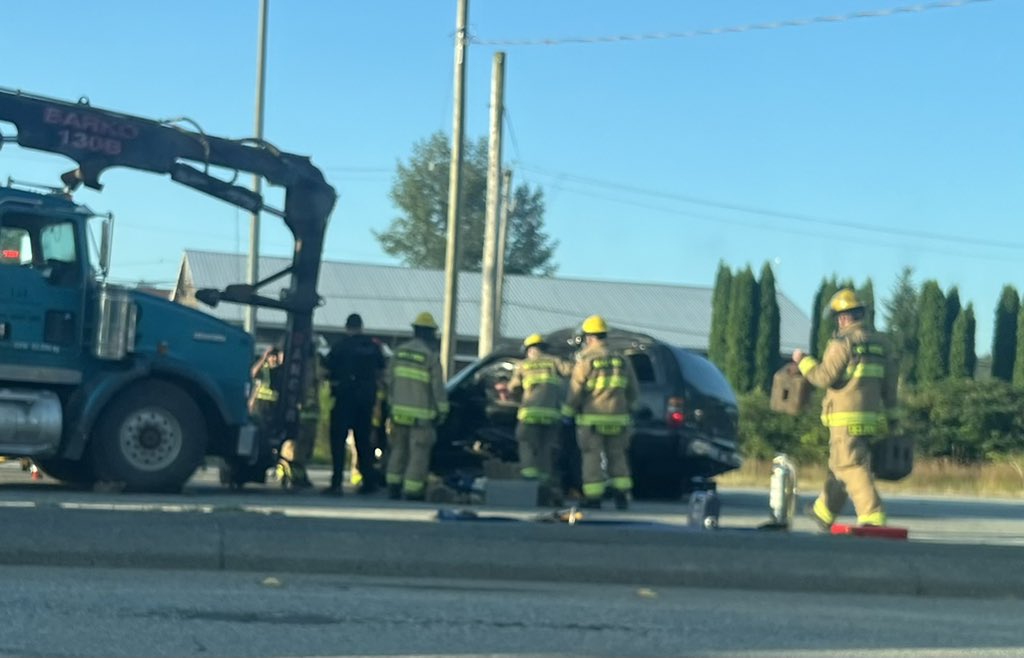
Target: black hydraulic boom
(99, 139)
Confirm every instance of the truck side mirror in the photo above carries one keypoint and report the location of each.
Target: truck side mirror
(106, 239)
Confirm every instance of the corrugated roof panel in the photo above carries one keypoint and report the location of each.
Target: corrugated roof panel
(388, 297)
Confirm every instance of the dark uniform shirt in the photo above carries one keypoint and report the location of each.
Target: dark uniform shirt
(353, 366)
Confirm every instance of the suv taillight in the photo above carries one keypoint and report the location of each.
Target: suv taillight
(675, 414)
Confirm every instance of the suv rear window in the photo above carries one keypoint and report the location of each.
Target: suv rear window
(642, 366)
(702, 375)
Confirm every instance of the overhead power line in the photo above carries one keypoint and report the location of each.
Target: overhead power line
(809, 219)
(772, 229)
(736, 29)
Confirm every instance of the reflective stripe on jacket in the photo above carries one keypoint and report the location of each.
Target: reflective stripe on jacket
(859, 374)
(415, 384)
(542, 381)
(264, 386)
(602, 389)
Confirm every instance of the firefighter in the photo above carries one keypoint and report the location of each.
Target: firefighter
(602, 390)
(418, 403)
(539, 378)
(859, 375)
(265, 375)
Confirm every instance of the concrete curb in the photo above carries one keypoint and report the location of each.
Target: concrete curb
(640, 555)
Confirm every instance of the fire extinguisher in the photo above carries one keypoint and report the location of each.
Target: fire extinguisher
(782, 491)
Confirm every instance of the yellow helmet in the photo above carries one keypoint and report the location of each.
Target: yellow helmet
(595, 324)
(843, 301)
(425, 320)
(533, 339)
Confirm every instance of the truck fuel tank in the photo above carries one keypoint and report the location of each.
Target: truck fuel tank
(30, 422)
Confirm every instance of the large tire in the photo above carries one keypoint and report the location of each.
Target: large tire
(76, 473)
(152, 437)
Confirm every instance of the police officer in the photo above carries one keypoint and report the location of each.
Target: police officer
(540, 379)
(355, 366)
(419, 402)
(602, 391)
(859, 375)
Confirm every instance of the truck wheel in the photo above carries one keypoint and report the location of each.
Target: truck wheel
(152, 437)
(75, 473)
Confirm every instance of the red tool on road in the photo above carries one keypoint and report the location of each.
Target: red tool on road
(869, 531)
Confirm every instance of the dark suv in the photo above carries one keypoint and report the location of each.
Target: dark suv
(685, 425)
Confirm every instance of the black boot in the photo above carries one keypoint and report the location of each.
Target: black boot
(333, 490)
(395, 491)
(621, 500)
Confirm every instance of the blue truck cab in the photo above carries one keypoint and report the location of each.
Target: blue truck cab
(102, 383)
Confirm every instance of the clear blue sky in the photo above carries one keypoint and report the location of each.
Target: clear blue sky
(908, 126)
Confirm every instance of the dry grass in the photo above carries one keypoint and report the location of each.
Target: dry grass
(930, 476)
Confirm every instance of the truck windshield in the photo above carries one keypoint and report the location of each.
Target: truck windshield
(46, 244)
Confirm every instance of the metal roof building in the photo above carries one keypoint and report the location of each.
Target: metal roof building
(389, 297)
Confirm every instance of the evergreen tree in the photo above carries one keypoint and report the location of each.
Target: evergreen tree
(742, 331)
(1018, 363)
(766, 353)
(952, 313)
(901, 321)
(932, 349)
(866, 293)
(1004, 339)
(718, 340)
(827, 325)
(816, 309)
(969, 341)
(963, 358)
(958, 347)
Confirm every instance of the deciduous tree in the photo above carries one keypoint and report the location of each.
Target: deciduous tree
(420, 191)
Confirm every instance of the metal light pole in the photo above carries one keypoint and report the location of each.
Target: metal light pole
(453, 253)
(257, 181)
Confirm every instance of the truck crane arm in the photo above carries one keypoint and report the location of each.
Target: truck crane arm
(98, 139)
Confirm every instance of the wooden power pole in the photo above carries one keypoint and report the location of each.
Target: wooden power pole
(506, 208)
(449, 342)
(489, 327)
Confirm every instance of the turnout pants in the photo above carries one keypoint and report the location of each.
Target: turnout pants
(409, 456)
(616, 451)
(849, 476)
(537, 445)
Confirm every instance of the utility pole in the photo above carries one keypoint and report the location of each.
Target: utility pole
(489, 328)
(506, 208)
(453, 253)
(257, 180)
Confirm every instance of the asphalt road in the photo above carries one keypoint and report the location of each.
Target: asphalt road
(128, 612)
(264, 529)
